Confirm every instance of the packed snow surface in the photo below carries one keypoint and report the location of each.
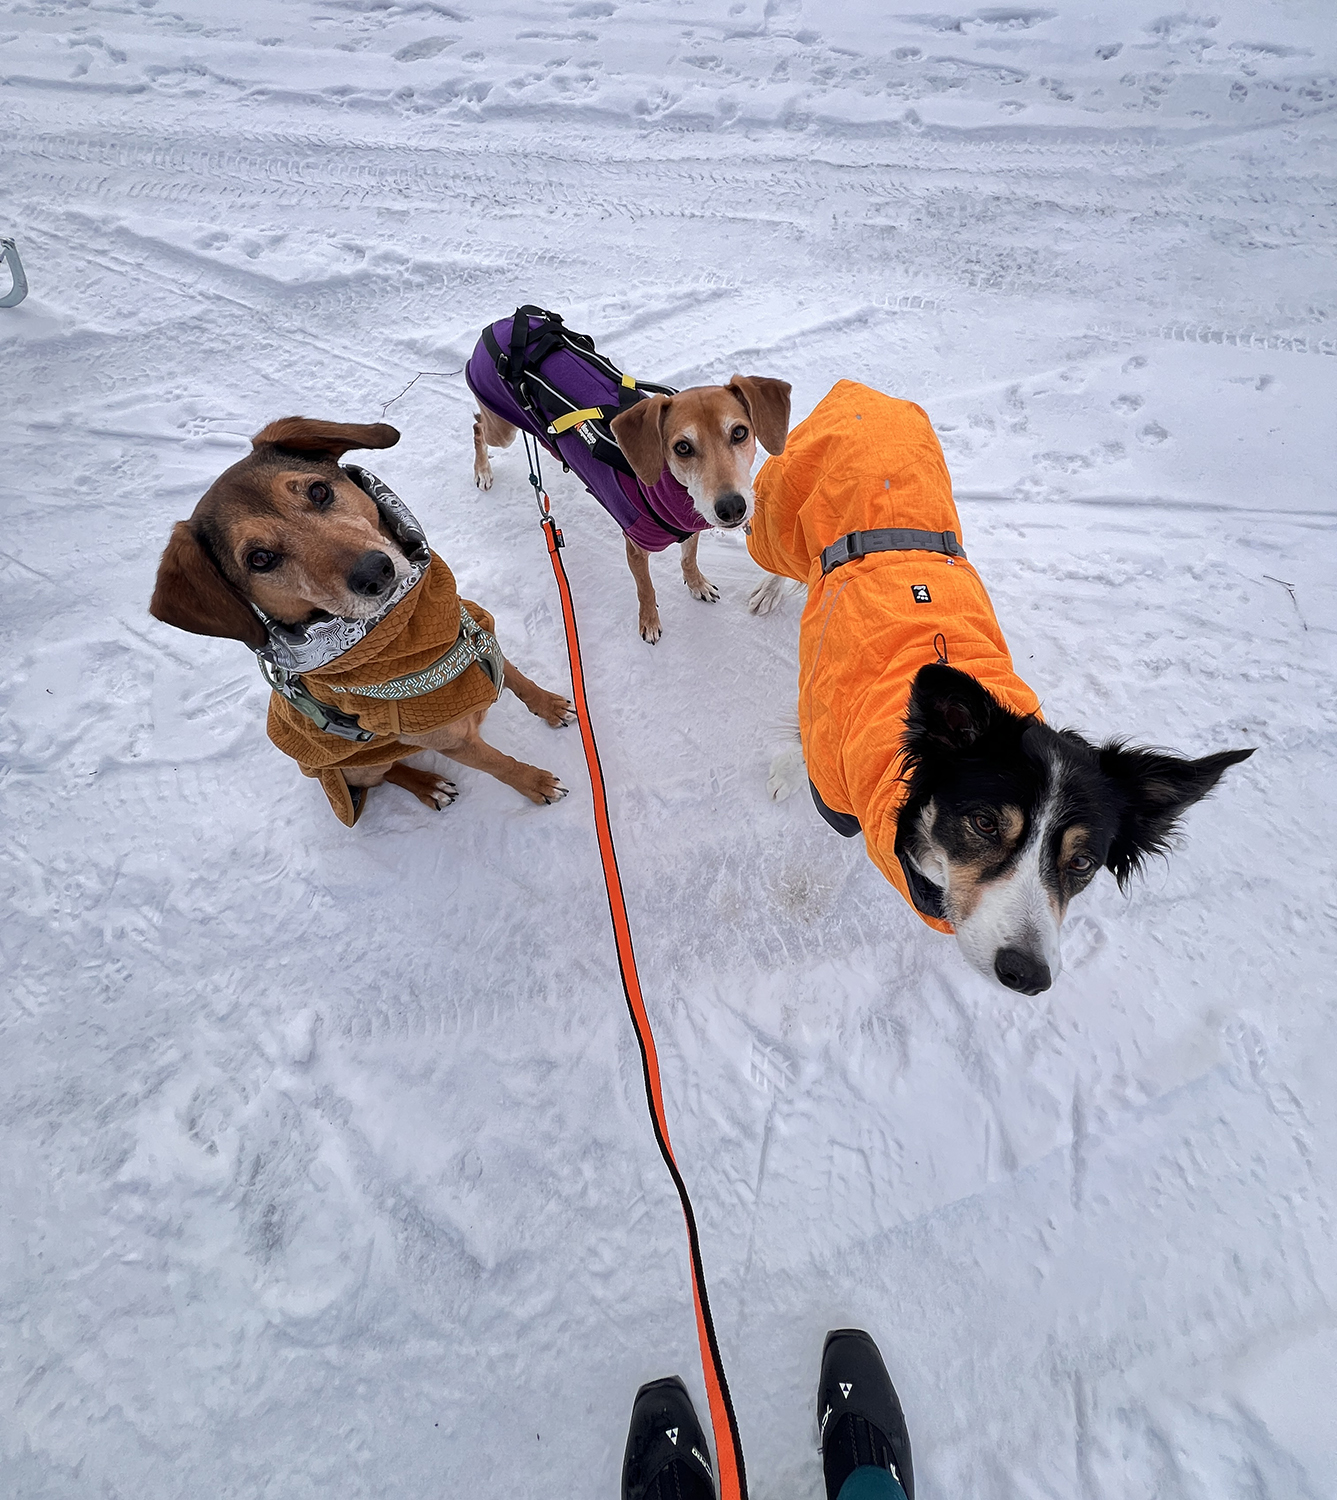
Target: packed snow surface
(325, 1168)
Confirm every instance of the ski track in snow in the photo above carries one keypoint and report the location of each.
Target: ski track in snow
(326, 1167)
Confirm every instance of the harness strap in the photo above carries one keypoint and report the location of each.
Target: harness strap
(333, 721)
(732, 1476)
(473, 644)
(520, 361)
(888, 539)
(574, 419)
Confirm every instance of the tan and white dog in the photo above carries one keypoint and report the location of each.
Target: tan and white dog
(675, 465)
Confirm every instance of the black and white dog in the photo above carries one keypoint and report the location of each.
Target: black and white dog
(985, 818)
(1011, 819)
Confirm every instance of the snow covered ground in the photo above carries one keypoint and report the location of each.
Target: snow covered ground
(324, 1162)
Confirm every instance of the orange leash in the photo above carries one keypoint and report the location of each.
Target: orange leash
(731, 1476)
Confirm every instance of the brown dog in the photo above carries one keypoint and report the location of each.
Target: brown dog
(691, 453)
(328, 579)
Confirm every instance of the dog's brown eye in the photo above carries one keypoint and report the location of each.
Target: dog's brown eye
(984, 825)
(319, 493)
(1081, 864)
(739, 434)
(683, 448)
(260, 561)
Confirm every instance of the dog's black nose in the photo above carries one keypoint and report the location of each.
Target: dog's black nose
(1021, 971)
(730, 509)
(371, 574)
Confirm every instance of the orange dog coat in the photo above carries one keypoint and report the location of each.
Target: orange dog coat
(863, 461)
(419, 629)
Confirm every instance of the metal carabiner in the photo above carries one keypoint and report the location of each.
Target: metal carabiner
(536, 476)
(9, 253)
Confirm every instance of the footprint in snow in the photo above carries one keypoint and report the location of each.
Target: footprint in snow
(1083, 938)
(429, 46)
(1152, 434)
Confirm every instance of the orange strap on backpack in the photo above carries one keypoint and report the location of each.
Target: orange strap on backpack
(731, 1476)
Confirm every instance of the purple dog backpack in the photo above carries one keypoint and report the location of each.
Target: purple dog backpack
(551, 382)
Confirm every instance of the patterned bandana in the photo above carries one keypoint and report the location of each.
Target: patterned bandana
(306, 648)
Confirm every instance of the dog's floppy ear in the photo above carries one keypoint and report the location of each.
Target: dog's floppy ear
(1158, 789)
(948, 709)
(324, 439)
(640, 434)
(766, 401)
(193, 595)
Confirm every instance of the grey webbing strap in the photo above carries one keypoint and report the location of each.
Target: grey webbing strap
(889, 539)
(473, 644)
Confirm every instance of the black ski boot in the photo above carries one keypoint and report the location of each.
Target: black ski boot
(667, 1457)
(859, 1414)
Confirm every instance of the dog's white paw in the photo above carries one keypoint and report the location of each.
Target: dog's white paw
(483, 478)
(702, 589)
(766, 595)
(788, 774)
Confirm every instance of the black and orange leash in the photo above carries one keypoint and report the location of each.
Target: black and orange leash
(731, 1474)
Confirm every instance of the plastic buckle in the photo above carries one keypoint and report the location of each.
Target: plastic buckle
(853, 545)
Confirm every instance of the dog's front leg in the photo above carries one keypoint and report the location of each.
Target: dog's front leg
(766, 595)
(698, 584)
(462, 742)
(490, 431)
(638, 560)
(430, 789)
(552, 708)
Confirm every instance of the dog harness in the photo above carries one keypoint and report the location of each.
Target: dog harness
(540, 376)
(859, 507)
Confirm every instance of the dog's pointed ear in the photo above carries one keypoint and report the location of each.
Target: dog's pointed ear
(948, 709)
(193, 595)
(1158, 788)
(305, 435)
(766, 401)
(640, 434)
